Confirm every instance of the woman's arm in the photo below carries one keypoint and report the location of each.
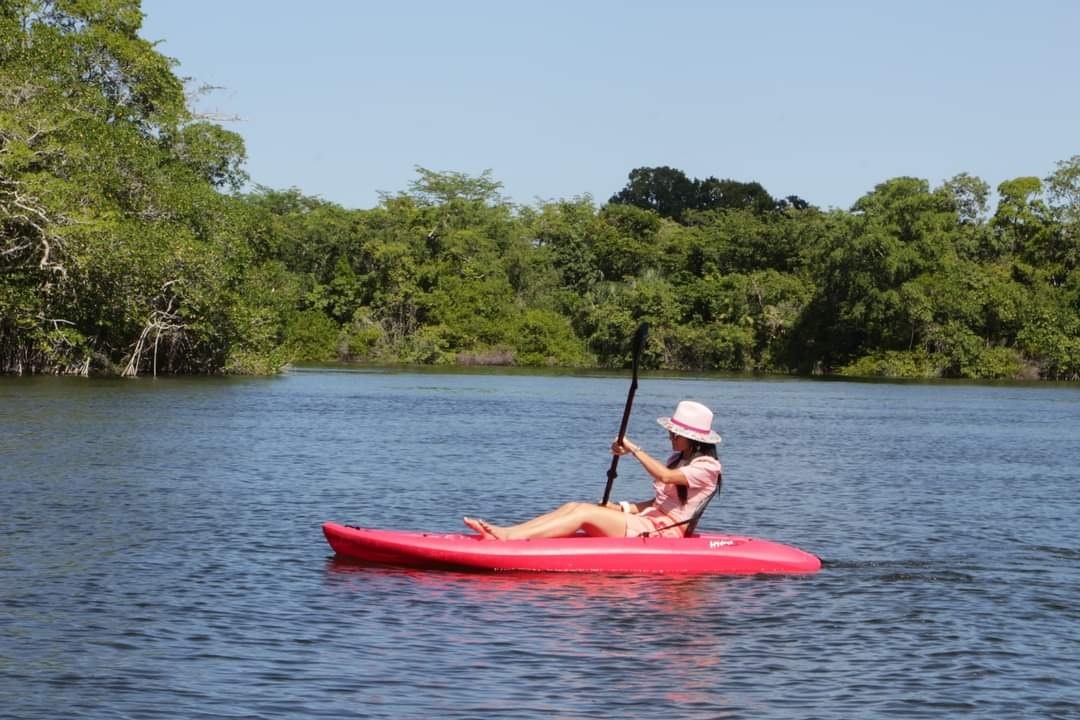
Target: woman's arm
(654, 467)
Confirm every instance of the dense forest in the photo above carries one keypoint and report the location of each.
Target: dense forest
(130, 243)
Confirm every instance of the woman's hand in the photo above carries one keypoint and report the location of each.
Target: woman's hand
(625, 448)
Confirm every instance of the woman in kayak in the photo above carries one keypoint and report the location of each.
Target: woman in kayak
(688, 478)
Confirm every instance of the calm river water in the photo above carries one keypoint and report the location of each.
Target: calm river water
(161, 553)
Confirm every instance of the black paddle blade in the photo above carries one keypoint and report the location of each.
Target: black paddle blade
(639, 343)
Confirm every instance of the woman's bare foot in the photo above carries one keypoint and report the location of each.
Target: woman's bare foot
(487, 531)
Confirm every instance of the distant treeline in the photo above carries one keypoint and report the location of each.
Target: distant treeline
(128, 246)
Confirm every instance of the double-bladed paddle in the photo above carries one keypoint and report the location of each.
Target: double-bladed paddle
(639, 342)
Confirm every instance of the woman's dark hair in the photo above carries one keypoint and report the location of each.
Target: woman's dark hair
(697, 449)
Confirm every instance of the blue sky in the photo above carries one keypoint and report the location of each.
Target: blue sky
(342, 99)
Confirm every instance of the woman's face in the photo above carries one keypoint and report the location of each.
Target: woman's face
(678, 442)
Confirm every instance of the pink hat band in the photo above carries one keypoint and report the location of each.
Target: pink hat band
(679, 423)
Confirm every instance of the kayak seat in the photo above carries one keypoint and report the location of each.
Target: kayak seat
(691, 525)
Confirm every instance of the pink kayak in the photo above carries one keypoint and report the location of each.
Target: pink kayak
(700, 553)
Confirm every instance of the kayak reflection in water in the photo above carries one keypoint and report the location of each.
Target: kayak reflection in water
(681, 486)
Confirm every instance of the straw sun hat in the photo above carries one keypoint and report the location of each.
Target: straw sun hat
(692, 420)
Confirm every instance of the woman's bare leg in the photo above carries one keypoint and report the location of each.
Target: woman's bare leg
(563, 522)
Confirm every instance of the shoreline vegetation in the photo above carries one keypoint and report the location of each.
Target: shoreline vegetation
(129, 246)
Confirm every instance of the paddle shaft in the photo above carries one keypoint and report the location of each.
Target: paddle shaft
(639, 342)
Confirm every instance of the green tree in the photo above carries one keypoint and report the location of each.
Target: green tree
(627, 244)
(1021, 219)
(664, 190)
(971, 199)
(671, 194)
(1063, 191)
(713, 194)
(567, 231)
(970, 196)
(114, 233)
(898, 232)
